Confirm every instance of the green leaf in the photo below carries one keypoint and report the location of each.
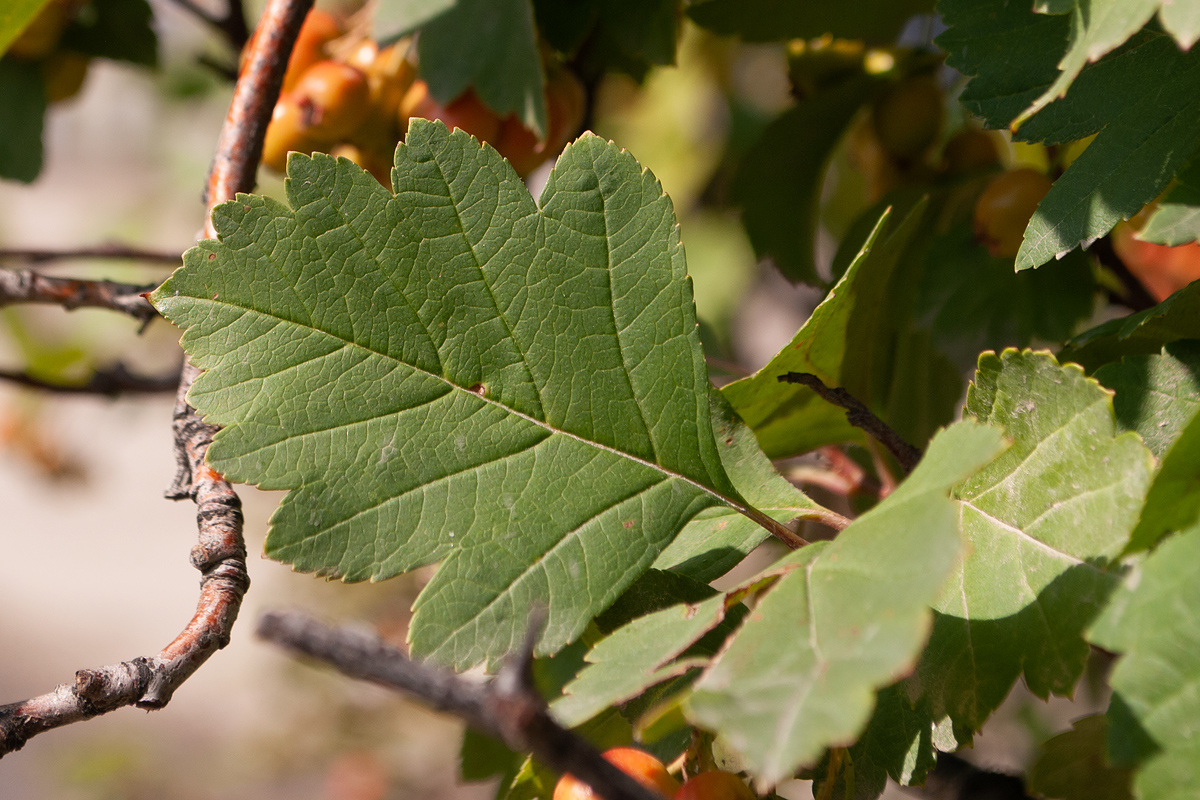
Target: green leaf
(1182, 20)
(1153, 623)
(1177, 317)
(972, 302)
(22, 109)
(802, 672)
(1127, 165)
(1177, 219)
(425, 369)
(1042, 522)
(481, 758)
(1157, 395)
(1097, 27)
(876, 21)
(838, 344)
(778, 182)
(490, 45)
(1074, 765)
(622, 35)
(15, 16)
(396, 18)
(122, 30)
(715, 540)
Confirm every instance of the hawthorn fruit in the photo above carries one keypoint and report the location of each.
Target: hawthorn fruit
(908, 117)
(466, 111)
(1004, 209)
(565, 103)
(970, 150)
(639, 765)
(286, 132)
(63, 73)
(1161, 269)
(714, 785)
(334, 98)
(319, 29)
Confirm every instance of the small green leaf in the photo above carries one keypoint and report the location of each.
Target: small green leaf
(802, 672)
(1157, 395)
(838, 344)
(876, 21)
(490, 45)
(1177, 317)
(15, 16)
(22, 109)
(715, 541)
(778, 183)
(423, 369)
(1042, 522)
(1074, 765)
(1152, 623)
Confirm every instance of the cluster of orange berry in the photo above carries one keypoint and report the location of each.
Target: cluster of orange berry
(345, 95)
(63, 70)
(650, 772)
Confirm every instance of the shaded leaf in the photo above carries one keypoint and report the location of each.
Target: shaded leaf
(778, 182)
(15, 15)
(714, 541)
(22, 109)
(424, 369)
(1177, 219)
(396, 18)
(802, 672)
(837, 345)
(490, 45)
(1157, 395)
(876, 21)
(1074, 765)
(1152, 623)
(122, 30)
(1042, 522)
(621, 35)
(1177, 317)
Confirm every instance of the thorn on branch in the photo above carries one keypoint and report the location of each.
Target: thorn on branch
(27, 286)
(507, 707)
(110, 381)
(858, 415)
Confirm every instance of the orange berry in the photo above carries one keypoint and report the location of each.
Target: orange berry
(466, 111)
(1162, 270)
(334, 97)
(639, 765)
(565, 101)
(970, 150)
(286, 132)
(908, 117)
(319, 29)
(1004, 209)
(63, 73)
(715, 785)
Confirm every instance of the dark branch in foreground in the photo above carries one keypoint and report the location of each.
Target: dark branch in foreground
(507, 707)
(220, 554)
(113, 252)
(111, 381)
(27, 286)
(860, 416)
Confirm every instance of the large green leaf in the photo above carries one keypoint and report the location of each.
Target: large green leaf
(778, 183)
(1042, 523)
(877, 21)
(802, 671)
(1177, 317)
(490, 45)
(22, 109)
(15, 15)
(839, 344)
(395, 18)
(1152, 622)
(1074, 765)
(425, 369)
(718, 538)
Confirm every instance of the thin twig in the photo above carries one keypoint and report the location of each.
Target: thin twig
(232, 25)
(110, 381)
(220, 554)
(27, 286)
(860, 416)
(116, 252)
(507, 707)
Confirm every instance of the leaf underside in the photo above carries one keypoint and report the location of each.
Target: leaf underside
(426, 369)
